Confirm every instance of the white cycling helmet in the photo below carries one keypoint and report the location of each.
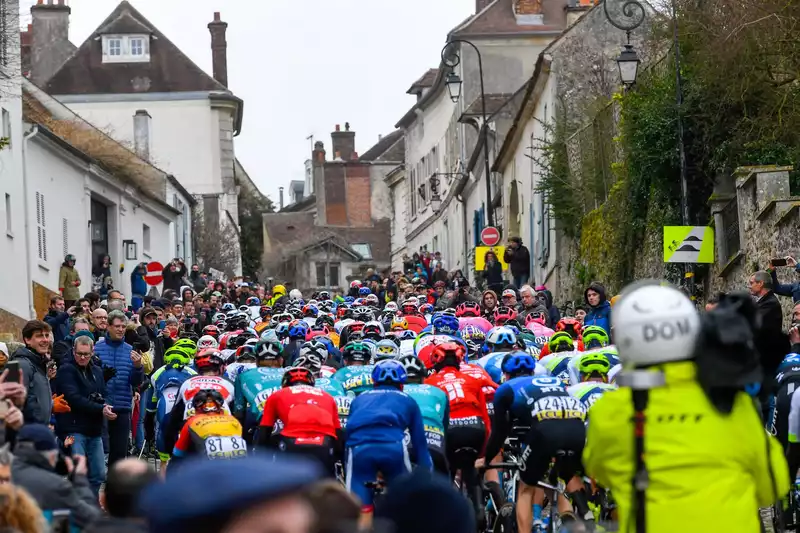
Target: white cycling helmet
(295, 294)
(390, 307)
(654, 324)
(206, 342)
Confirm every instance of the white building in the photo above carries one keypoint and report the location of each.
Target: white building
(132, 82)
(443, 139)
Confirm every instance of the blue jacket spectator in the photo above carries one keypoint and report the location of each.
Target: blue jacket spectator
(78, 385)
(786, 289)
(117, 355)
(57, 318)
(599, 308)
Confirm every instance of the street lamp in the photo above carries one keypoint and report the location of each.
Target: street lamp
(628, 63)
(451, 59)
(436, 200)
(453, 83)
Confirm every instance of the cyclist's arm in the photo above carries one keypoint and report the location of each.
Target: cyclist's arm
(173, 429)
(501, 422)
(183, 444)
(418, 439)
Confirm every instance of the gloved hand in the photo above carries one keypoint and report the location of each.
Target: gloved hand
(109, 373)
(60, 405)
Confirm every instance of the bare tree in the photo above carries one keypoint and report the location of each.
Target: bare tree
(213, 245)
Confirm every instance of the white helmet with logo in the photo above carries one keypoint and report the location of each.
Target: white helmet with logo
(653, 324)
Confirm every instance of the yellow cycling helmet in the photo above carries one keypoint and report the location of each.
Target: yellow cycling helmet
(278, 290)
(399, 323)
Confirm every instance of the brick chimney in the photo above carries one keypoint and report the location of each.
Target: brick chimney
(25, 44)
(141, 133)
(480, 5)
(344, 142)
(219, 49)
(48, 48)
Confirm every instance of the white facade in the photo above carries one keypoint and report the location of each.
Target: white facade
(184, 132)
(61, 185)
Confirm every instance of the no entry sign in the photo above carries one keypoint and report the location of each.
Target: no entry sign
(153, 276)
(490, 236)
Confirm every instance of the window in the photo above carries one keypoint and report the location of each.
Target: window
(413, 192)
(363, 249)
(145, 238)
(137, 46)
(9, 227)
(41, 226)
(65, 236)
(7, 125)
(327, 274)
(334, 274)
(126, 48)
(321, 274)
(115, 47)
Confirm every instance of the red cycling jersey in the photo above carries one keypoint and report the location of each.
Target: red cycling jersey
(464, 392)
(305, 412)
(478, 372)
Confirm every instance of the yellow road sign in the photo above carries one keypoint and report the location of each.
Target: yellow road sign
(480, 256)
(688, 244)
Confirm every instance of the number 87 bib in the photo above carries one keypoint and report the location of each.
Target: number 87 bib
(225, 447)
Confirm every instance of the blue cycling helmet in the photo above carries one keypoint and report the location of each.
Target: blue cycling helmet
(364, 291)
(228, 307)
(445, 324)
(298, 330)
(389, 371)
(349, 299)
(518, 362)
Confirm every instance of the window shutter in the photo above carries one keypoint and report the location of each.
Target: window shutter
(44, 231)
(65, 235)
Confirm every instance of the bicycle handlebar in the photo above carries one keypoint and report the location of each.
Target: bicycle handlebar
(495, 466)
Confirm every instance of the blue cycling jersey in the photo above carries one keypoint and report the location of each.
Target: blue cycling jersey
(435, 409)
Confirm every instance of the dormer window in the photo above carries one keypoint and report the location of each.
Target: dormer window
(126, 48)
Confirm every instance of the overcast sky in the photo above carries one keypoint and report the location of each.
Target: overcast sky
(301, 66)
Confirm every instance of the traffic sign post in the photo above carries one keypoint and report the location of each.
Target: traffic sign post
(154, 273)
(490, 236)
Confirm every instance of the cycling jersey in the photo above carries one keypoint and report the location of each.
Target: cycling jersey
(435, 409)
(697, 458)
(558, 366)
(540, 331)
(216, 436)
(491, 363)
(234, 370)
(161, 397)
(355, 379)
(465, 394)
(252, 390)
(306, 412)
(478, 372)
(477, 321)
(195, 384)
(589, 392)
(340, 396)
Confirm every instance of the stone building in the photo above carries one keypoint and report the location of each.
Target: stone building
(332, 236)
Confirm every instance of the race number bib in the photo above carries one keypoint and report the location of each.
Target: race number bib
(225, 447)
(558, 408)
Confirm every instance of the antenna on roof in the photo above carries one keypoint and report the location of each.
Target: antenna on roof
(310, 139)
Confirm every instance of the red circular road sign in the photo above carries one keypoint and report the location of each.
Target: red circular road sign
(490, 236)
(153, 276)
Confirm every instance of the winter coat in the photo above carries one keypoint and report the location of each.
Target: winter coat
(32, 472)
(173, 280)
(67, 276)
(138, 284)
(493, 273)
(62, 350)
(59, 322)
(117, 354)
(537, 307)
(554, 315)
(599, 315)
(518, 260)
(39, 402)
(77, 384)
(786, 289)
(198, 282)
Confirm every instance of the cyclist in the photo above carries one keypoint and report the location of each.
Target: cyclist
(210, 367)
(592, 369)
(594, 337)
(245, 360)
(309, 418)
(555, 420)
(560, 354)
(356, 375)
(162, 394)
(210, 432)
(386, 349)
(469, 419)
(500, 341)
(376, 429)
(254, 386)
(435, 409)
(332, 387)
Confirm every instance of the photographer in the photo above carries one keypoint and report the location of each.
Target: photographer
(40, 470)
(786, 289)
(173, 275)
(84, 388)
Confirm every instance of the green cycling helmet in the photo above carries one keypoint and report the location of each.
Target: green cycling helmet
(357, 351)
(186, 344)
(595, 362)
(561, 341)
(594, 337)
(178, 356)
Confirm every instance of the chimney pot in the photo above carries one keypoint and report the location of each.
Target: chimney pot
(346, 126)
(217, 17)
(219, 49)
(338, 128)
(61, 2)
(337, 155)
(39, 2)
(30, 28)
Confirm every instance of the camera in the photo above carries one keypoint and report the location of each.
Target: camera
(96, 397)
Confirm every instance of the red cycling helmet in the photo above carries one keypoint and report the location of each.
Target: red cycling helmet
(535, 317)
(468, 309)
(571, 326)
(212, 330)
(297, 376)
(503, 313)
(209, 359)
(442, 351)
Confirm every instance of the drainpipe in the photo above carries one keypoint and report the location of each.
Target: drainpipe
(463, 202)
(28, 238)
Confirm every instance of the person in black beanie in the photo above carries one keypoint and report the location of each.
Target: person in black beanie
(446, 509)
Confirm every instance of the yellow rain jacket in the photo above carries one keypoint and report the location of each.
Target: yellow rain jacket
(709, 472)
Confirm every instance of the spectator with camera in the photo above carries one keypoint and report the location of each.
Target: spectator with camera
(84, 388)
(55, 482)
(127, 365)
(173, 275)
(785, 289)
(58, 318)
